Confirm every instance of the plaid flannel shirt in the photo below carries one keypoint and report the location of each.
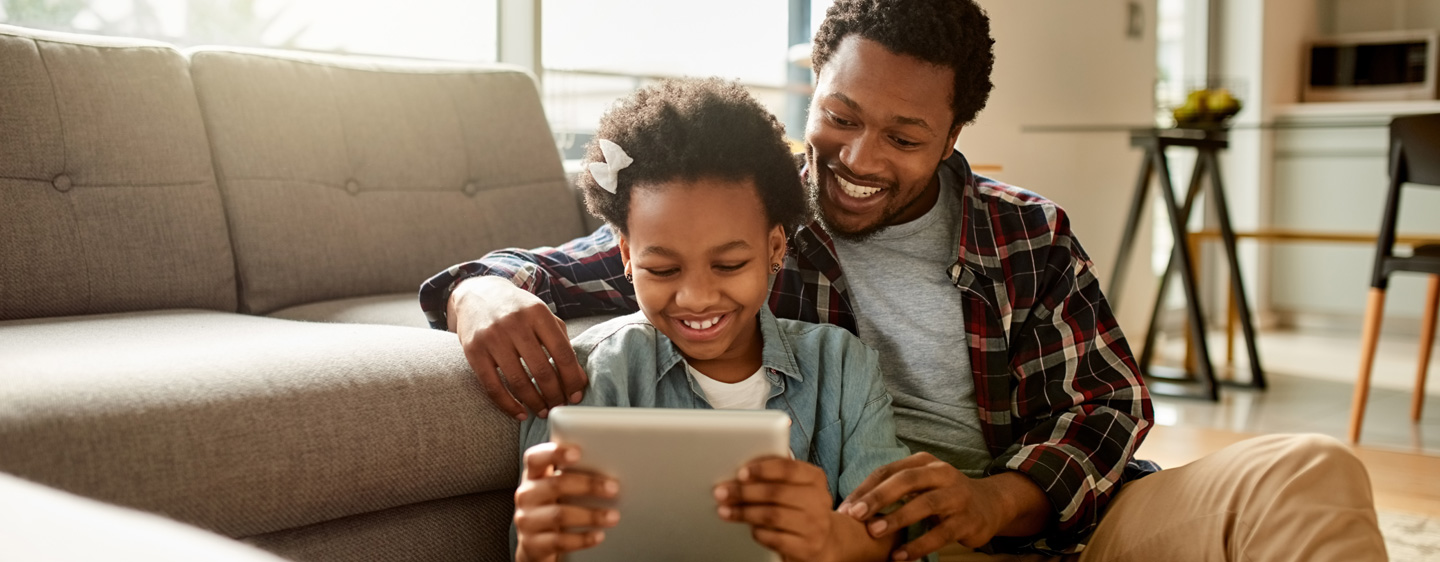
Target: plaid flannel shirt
(1059, 393)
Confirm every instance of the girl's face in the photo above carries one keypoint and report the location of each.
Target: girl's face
(700, 252)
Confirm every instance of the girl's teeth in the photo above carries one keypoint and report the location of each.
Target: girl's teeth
(856, 191)
(703, 324)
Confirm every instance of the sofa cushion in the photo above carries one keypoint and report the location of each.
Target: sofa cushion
(461, 529)
(40, 523)
(247, 425)
(399, 309)
(348, 177)
(108, 202)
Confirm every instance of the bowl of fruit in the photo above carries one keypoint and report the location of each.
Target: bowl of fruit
(1206, 108)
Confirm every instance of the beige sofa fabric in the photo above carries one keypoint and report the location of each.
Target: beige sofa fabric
(45, 524)
(345, 178)
(247, 425)
(108, 202)
(475, 527)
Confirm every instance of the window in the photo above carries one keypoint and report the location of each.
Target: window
(597, 52)
(433, 29)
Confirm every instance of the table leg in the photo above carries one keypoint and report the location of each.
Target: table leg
(1181, 258)
(1237, 283)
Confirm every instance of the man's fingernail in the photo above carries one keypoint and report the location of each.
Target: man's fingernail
(902, 555)
(611, 487)
(520, 416)
(721, 493)
(543, 413)
(857, 510)
(877, 527)
(724, 511)
(575, 398)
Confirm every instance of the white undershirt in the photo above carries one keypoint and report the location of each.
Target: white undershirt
(749, 394)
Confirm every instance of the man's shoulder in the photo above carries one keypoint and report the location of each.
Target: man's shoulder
(996, 193)
(1017, 213)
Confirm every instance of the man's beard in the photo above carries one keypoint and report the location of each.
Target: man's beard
(816, 192)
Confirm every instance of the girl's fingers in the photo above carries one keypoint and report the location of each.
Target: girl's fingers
(535, 493)
(560, 518)
(545, 545)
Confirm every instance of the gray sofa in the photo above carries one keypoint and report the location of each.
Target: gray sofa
(208, 264)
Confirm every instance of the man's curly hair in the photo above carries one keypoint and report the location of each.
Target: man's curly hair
(686, 130)
(949, 33)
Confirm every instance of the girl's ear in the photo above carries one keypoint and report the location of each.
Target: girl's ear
(624, 251)
(777, 245)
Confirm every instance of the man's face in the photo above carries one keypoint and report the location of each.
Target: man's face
(880, 123)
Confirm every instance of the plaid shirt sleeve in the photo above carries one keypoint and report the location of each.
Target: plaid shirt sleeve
(583, 277)
(1081, 410)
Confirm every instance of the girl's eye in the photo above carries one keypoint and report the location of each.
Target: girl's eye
(727, 267)
(662, 272)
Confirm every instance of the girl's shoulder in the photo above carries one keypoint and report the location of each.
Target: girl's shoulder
(810, 339)
(625, 335)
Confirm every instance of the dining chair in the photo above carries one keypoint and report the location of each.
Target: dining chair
(1414, 159)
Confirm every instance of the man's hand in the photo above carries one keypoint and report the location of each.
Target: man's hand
(499, 325)
(547, 523)
(965, 510)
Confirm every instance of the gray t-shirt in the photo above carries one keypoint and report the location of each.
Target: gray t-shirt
(909, 311)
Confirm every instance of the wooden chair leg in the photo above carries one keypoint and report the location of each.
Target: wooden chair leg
(1427, 338)
(1369, 337)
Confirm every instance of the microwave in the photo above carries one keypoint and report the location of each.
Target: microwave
(1380, 66)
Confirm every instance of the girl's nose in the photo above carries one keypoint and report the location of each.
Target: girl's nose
(698, 293)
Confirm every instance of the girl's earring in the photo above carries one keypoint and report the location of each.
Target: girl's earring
(629, 277)
(774, 268)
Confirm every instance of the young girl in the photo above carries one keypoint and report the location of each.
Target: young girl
(696, 179)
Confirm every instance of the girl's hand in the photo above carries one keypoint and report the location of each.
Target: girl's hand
(787, 505)
(546, 521)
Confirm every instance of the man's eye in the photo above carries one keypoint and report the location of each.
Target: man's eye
(731, 266)
(841, 121)
(904, 143)
(662, 272)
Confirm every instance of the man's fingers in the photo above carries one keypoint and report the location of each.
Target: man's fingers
(557, 343)
(540, 370)
(850, 505)
(931, 541)
(916, 510)
(490, 381)
(518, 381)
(903, 483)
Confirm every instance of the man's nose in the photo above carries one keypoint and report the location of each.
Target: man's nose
(861, 156)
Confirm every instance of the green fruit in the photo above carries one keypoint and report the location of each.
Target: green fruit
(1221, 104)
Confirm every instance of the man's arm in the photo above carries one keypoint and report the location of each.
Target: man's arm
(1083, 409)
(583, 277)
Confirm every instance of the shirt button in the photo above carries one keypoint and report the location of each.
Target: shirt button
(61, 183)
(352, 186)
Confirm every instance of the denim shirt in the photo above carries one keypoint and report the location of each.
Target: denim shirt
(822, 375)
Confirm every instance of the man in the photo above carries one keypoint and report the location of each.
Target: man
(1010, 378)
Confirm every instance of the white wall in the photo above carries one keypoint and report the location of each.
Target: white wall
(1060, 62)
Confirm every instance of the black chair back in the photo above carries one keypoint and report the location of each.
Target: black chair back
(1415, 149)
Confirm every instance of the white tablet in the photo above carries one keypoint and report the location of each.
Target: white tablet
(668, 462)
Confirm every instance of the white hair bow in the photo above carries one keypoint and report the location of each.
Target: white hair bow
(607, 173)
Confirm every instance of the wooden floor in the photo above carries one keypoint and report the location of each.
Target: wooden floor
(1402, 481)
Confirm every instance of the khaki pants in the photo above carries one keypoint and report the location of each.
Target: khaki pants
(1274, 498)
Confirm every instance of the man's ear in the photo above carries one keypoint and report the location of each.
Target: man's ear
(777, 245)
(950, 140)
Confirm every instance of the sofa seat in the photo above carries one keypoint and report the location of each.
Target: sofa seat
(247, 425)
(396, 309)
